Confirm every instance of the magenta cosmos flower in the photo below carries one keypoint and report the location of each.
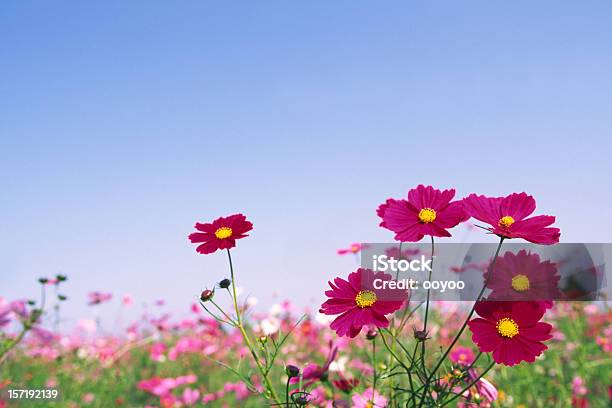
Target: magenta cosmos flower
(359, 303)
(222, 233)
(508, 217)
(314, 372)
(512, 331)
(522, 276)
(427, 211)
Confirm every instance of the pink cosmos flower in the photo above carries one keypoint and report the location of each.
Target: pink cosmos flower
(522, 276)
(359, 303)
(5, 313)
(345, 384)
(157, 352)
(369, 399)
(394, 252)
(95, 298)
(222, 233)
(462, 356)
(87, 325)
(352, 249)
(88, 398)
(578, 386)
(482, 394)
(313, 372)
(190, 396)
(427, 211)
(508, 217)
(127, 300)
(512, 331)
(12, 310)
(605, 340)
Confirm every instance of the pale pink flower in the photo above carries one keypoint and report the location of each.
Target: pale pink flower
(96, 298)
(89, 398)
(127, 300)
(369, 399)
(87, 325)
(578, 387)
(354, 248)
(190, 396)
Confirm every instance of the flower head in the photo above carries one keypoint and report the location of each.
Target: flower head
(222, 233)
(462, 356)
(522, 276)
(512, 331)
(345, 384)
(359, 303)
(427, 211)
(352, 249)
(314, 372)
(369, 399)
(508, 217)
(95, 298)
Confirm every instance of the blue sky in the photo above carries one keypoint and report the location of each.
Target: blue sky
(123, 124)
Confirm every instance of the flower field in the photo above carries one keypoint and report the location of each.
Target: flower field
(166, 363)
(364, 347)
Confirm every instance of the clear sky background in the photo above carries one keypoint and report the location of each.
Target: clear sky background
(122, 123)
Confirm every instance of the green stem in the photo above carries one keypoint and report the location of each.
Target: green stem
(245, 336)
(428, 290)
(287, 391)
(426, 313)
(394, 355)
(373, 368)
(456, 339)
(231, 321)
(14, 343)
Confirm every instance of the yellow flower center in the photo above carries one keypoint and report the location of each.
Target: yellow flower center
(223, 232)
(427, 215)
(520, 283)
(506, 221)
(507, 327)
(365, 298)
(369, 404)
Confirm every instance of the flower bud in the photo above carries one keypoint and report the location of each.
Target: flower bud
(371, 334)
(225, 283)
(206, 295)
(61, 278)
(62, 297)
(292, 371)
(420, 335)
(301, 399)
(43, 280)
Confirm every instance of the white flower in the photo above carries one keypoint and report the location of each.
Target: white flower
(323, 319)
(339, 364)
(270, 325)
(276, 310)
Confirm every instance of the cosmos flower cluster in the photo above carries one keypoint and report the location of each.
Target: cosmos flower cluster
(511, 331)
